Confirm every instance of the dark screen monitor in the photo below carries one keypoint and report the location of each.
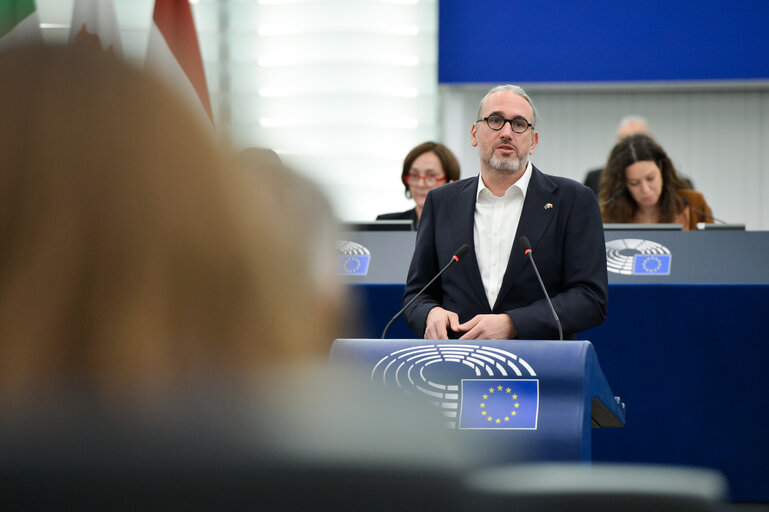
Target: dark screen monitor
(730, 227)
(379, 225)
(632, 226)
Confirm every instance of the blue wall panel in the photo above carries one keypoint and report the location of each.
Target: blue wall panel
(502, 41)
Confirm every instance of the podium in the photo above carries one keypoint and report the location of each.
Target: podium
(530, 399)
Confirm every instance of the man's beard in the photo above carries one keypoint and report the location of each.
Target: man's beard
(511, 165)
(506, 165)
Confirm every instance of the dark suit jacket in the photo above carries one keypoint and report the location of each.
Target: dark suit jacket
(568, 248)
(407, 215)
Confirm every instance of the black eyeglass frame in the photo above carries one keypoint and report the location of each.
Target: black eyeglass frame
(504, 120)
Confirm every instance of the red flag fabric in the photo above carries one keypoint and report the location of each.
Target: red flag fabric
(173, 48)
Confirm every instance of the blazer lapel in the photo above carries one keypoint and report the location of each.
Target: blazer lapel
(535, 218)
(463, 224)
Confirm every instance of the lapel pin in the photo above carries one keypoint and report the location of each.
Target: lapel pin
(548, 206)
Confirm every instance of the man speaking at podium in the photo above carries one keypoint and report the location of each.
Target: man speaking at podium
(494, 292)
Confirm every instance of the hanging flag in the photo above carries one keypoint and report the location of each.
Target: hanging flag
(173, 51)
(94, 25)
(19, 23)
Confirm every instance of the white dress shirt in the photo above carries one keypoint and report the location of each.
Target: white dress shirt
(496, 222)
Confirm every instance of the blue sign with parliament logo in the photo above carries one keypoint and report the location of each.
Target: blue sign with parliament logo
(353, 258)
(510, 404)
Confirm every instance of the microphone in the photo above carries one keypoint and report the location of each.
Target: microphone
(459, 254)
(527, 250)
(695, 210)
(613, 197)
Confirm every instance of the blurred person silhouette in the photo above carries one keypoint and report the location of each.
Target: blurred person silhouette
(628, 125)
(155, 315)
(306, 222)
(641, 185)
(129, 237)
(427, 166)
(258, 156)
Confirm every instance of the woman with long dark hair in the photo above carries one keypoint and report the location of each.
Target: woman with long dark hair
(640, 185)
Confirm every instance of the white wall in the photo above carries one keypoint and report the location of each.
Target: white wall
(718, 135)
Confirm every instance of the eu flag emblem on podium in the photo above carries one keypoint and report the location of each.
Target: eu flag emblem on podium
(499, 404)
(658, 264)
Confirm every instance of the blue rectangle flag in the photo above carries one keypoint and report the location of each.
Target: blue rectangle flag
(499, 404)
(658, 264)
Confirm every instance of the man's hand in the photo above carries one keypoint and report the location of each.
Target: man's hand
(488, 327)
(438, 319)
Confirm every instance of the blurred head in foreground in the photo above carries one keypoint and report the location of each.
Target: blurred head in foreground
(134, 256)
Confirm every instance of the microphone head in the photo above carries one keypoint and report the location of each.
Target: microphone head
(613, 197)
(462, 252)
(686, 202)
(525, 243)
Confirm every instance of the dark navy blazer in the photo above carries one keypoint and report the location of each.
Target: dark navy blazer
(561, 219)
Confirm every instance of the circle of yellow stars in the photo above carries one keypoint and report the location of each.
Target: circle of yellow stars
(351, 264)
(513, 412)
(655, 260)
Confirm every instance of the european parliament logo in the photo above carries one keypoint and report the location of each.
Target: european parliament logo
(499, 404)
(632, 256)
(353, 258)
(455, 377)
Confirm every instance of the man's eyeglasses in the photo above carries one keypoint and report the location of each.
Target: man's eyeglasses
(430, 180)
(496, 122)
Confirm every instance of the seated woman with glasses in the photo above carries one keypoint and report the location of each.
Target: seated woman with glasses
(640, 185)
(427, 166)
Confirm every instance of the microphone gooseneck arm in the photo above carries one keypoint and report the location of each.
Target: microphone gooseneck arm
(695, 210)
(613, 197)
(527, 250)
(461, 252)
